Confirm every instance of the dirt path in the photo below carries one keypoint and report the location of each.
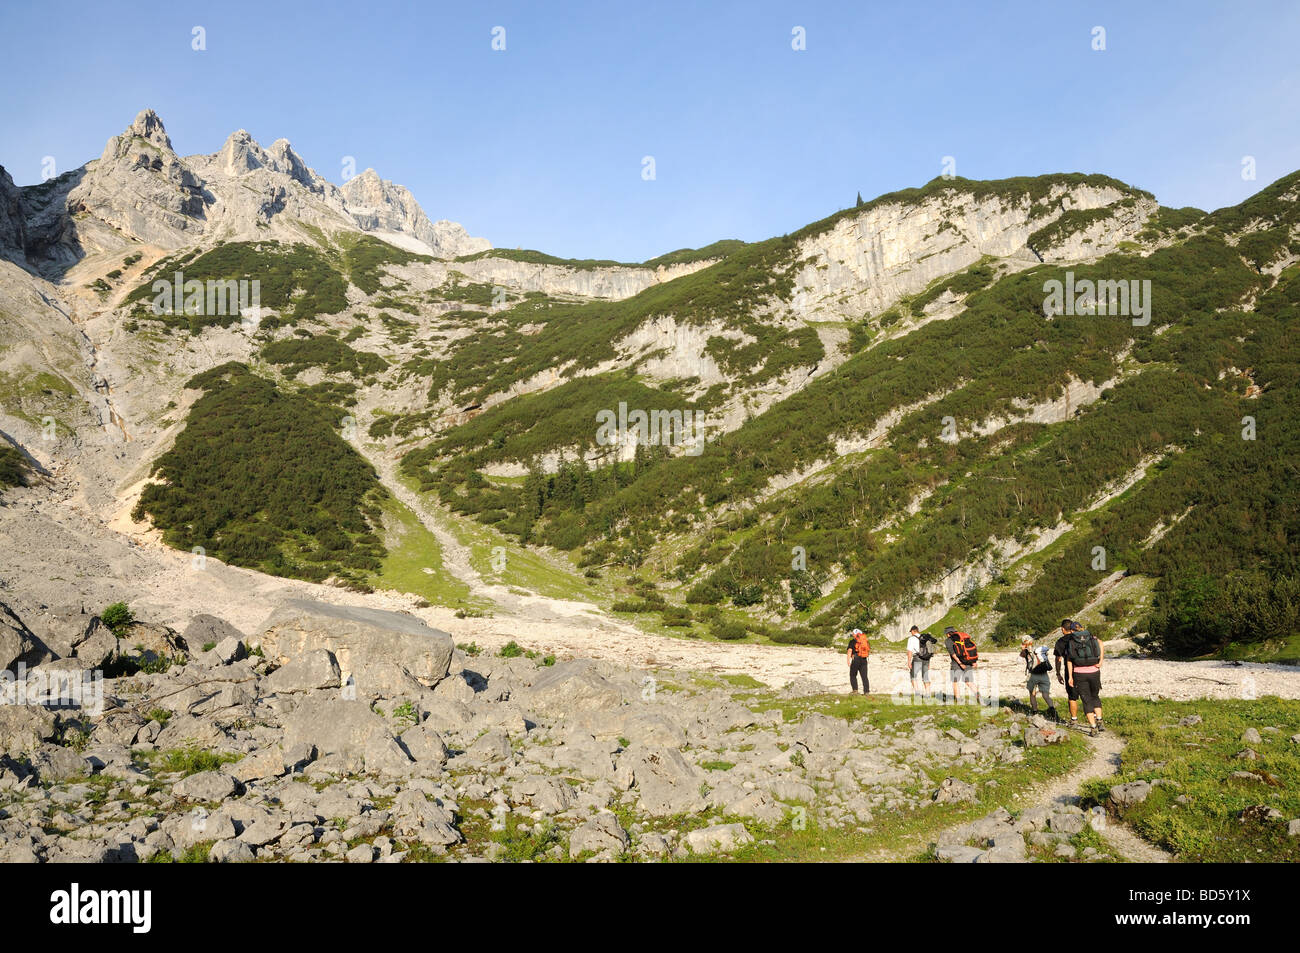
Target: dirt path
(509, 600)
(1103, 761)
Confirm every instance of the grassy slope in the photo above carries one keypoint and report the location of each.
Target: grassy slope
(411, 550)
(1201, 759)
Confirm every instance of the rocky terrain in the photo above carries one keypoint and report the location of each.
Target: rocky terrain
(358, 735)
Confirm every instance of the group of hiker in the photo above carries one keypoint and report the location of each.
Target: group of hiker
(1077, 658)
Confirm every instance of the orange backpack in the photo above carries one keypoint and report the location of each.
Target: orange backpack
(861, 646)
(963, 646)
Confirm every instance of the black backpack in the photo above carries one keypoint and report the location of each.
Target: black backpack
(1084, 648)
(925, 640)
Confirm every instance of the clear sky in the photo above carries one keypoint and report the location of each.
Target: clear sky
(541, 145)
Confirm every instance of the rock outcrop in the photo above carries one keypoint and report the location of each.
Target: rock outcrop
(377, 205)
(141, 191)
(13, 225)
(207, 759)
(373, 648)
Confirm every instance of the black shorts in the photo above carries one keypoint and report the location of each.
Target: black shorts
(1088, 685)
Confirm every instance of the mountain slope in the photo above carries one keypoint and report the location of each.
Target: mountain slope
(878, 418)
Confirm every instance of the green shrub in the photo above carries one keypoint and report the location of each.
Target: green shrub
(118, 617)
(728, 631)
(13, 467)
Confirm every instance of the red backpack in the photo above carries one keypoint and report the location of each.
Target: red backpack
(963, 647)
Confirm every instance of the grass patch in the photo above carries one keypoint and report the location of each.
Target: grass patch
(1201, 759)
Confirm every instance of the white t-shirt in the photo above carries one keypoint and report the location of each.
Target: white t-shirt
(913, 644)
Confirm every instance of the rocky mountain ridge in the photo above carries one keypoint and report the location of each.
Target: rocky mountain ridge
(140, 191)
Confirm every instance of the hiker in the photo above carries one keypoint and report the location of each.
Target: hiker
(1038, 672)
(965, 657)
(919, 654)
(1083, 659)
(1060, 651)
(859, 649)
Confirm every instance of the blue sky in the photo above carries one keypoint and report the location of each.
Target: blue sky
(541, 145)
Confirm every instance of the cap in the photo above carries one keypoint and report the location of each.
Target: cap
(915, 629)
(1027, 640)
(949, 630)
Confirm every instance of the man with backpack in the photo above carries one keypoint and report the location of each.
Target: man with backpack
(859, 650)
(1038, 672)
(965, 657)
(919, 654)
(1083, 658)
(1060, 651)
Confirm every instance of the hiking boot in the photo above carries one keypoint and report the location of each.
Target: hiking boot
(1092, 731)
(1100, 726)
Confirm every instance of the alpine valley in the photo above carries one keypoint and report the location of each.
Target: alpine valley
(261, 433)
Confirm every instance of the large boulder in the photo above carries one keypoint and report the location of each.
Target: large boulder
(667, 783)
(309, 671)
(63, 629)
(206, 786)
(569, 687)
(207, 629)
(417, 818)
(953, 791)
(149, 641)
(597, 835)
(424, 745)
(358, 637)
(18, 644)
(823, 733)
(349, 729)
(54, 763)
(24, 727)
(718, 838)
(1125, 796)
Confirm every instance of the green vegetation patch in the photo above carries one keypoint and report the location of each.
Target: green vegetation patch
(1205, 812)
(296, 281)
(263, 479)
(13, 467)
(324, 351)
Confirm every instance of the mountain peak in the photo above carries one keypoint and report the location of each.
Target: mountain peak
(148, 125)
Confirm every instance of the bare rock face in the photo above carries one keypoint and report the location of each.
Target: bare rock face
(17, 642)
(868, 261)
(348, 730)
(13, 227)
(140, 190)
(358, 637)
(378, 205)
(140, 187)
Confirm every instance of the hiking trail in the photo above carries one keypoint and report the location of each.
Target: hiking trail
(1102, 762)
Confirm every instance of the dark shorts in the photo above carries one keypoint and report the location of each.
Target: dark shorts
(920, 669)
(1071, 693)
(1088, 686)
